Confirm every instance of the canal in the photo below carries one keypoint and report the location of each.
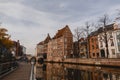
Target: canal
(55, 71)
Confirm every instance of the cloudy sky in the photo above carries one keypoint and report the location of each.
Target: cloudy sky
(30, 20)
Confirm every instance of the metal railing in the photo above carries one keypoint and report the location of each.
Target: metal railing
(7, 67)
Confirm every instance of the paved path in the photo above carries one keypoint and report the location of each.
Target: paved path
(21, 73)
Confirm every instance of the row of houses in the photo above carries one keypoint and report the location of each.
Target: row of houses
(102, 43)
(18, 49)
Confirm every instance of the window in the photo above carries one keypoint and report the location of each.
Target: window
(110, 33)
(112, 43)
(96, 46)
(92, 40)
(65, 39)
(118, 40)
(92, 46)
(100, 38)
(113, 51)
(65, 46)
(66, 51)
(61, 40)
(93, 54)
(81, 50)
(97, 54)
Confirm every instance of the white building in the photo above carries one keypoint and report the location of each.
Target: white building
(40, 48)
(113, 40)
(24, 49)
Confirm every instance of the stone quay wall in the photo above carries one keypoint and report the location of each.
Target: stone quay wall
(88, 61)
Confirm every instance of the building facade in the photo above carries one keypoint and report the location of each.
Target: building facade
(75, 49)
(83, 48)
(40, 48)
(109, 36)
(60, 46)
(93, 45)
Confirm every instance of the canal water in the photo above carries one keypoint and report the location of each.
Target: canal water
(55, 71)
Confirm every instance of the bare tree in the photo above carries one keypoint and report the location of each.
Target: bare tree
(83, 33)
(78, 33)
(104, 20)
(118, 15)
(87, 30)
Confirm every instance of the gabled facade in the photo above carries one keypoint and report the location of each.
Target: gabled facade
(112, 36)
(61, 45)
(42, 47)
(46, 41)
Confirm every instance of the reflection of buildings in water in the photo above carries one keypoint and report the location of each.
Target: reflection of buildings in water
(40, 72)
(77, 72)
(110, 76)
(55, 72)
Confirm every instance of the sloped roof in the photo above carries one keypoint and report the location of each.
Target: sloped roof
(3, 30)
(94, 33)
(47, 39)
(40, 43)
(107, 28)
(60, 32)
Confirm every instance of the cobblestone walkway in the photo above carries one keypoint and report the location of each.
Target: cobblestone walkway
(21, 73)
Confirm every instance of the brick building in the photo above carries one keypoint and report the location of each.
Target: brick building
(60, 46)
(17, 49)
(42, 47)
(93, 45)
(103, 38)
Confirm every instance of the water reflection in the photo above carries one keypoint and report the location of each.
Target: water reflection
(55, 71)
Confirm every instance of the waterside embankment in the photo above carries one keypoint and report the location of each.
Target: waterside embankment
(89, 61)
